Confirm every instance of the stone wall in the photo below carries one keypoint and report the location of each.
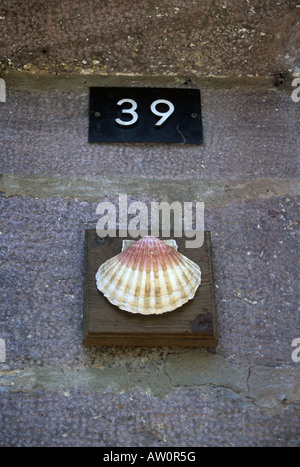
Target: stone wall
(211, 37)
(53, 390)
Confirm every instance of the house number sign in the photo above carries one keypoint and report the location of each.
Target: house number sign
(145, 115)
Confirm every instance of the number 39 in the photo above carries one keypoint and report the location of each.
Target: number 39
(132, 111)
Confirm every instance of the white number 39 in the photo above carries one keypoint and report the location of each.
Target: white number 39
(133, 107)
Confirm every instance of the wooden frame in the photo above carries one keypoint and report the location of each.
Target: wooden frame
(193, 324)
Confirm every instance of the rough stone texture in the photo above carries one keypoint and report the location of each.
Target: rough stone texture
(42, 254)
(54, 391)
(210, 38)
(187, 418)
(212, 192)
(249, 133)
(245, 392)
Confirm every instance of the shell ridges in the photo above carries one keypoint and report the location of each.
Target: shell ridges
(149, 277)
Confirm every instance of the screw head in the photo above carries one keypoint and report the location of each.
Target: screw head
(97, 114)
(194, 115)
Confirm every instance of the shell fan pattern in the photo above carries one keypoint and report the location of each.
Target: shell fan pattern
(149, 277)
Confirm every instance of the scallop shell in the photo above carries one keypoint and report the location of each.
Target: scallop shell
(149, 277)
(127, 243)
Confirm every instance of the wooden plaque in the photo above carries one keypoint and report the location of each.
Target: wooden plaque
(193, 324)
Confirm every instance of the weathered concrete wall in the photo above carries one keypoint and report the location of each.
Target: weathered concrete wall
(222, 37)
(255, 136)
(54, 391)
(246, 172)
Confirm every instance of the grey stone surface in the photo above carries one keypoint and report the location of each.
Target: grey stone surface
(211, 192)
(270, 389)
(78, 82)
(188, 417)
(42, 256)
(211, 38)
(247, 133)
(54, 391)
(258, 242)
(273, 386)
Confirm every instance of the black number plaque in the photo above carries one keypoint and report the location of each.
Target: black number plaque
(145, 115)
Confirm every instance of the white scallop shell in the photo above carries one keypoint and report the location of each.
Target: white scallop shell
(149, 277)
